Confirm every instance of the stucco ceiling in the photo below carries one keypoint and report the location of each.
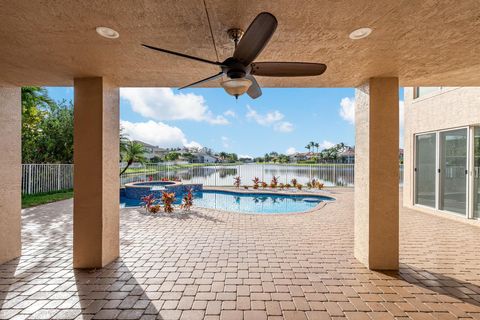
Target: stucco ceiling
(423, 42)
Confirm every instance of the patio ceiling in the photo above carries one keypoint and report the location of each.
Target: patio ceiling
(425, 42)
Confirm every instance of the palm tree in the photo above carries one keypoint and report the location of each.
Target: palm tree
(223, 155)
(308, 147)
(317, 145)
(123, 141)
(36, 97)
(131, 152)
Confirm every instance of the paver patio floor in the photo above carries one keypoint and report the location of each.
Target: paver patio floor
(214, 265)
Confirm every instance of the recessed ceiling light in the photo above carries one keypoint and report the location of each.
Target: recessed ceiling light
(360, 33)
(107, 32)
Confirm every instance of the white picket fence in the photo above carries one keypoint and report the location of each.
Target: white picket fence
(40, 178)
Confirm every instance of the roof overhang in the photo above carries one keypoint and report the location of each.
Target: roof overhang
(422, 42)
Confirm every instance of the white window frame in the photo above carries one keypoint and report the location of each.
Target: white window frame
(469, 165)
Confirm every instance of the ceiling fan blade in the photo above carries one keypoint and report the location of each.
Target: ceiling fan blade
(287, 69)
(255, 38)
(254, 91)
(183, 55)
(218, 75)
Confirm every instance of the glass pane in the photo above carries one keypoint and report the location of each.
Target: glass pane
(453, 177)
(425, 170)
(476, 168)
(422, 91)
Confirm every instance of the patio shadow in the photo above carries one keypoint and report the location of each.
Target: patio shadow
(184, 215)
(113, 292)
(459, 290)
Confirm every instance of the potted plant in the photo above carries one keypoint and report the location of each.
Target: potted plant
(187, 200)
(167, 199)
(154, 209)
(237, 182)
(294, 182)
(274, 182)
(256, 182)
(148, 201)
(264, 184)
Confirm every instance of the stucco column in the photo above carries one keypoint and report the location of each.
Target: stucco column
(96, 182)
(377, 174)
(10, 173)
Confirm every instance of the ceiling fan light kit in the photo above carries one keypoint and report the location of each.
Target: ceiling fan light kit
(236, 87)
(240, 68)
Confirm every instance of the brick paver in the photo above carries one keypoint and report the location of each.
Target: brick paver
(217, 265)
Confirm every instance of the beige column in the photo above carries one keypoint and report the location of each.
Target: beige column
(96, 183)
(377, 174)
(10, 173)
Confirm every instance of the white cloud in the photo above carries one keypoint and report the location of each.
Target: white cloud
(164, 104)
(326, 144)
(266, 119)
(157, 134)
(347, 109)
(272, 118)
(347, 112)
(225, 142)
(244, 156)
(291, 151)
(230, 113)
(283, 126)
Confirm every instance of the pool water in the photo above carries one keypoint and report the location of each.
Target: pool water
(247, 202)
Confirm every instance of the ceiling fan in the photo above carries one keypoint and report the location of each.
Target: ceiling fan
(240, 68)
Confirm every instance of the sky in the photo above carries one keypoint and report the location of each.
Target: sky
(284, 120)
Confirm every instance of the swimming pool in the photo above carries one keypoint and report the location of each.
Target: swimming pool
(247, 202)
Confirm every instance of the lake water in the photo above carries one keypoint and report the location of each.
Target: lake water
(223, 175)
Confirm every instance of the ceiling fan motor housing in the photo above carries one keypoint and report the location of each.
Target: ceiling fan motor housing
(234, 69)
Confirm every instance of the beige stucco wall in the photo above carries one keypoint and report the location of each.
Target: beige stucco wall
(450, 107)
(10, 173)
(96, 184)
(376, 174)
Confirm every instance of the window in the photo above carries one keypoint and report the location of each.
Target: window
(476, 173)
(422, 91)
(425, 169)
(447, 171)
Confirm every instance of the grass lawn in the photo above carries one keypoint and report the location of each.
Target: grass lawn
(32, 200)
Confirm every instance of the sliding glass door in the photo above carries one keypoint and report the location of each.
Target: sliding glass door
(453, 171)
(425, 169)
(447, 171)
(476, 173)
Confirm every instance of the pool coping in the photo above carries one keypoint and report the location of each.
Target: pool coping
(320, 205)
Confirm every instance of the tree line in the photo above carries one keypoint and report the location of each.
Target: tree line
(47, 127)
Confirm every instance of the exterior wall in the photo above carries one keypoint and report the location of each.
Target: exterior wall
(447, 108)
(376, 174)
(10, 173)
(96, 202)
